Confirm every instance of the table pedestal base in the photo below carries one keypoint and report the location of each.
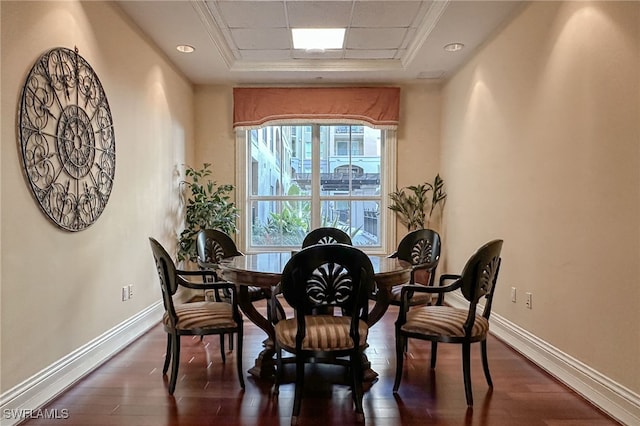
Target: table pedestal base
(265, 365)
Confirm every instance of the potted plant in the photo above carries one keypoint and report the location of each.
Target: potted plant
(207, 206)
(414, 206)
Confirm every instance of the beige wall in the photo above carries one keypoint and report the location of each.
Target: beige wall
(59, 290)
(540, 144)
(418, 155)
(214, 130)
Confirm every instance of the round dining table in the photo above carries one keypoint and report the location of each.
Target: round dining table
(264, 270)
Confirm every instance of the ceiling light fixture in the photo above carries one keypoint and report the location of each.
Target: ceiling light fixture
(453, 47)
(317, 39)
(185, 48)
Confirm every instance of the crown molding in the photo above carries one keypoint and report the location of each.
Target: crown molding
(424, 30)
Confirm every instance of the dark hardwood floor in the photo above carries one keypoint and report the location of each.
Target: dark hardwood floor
(129, 389)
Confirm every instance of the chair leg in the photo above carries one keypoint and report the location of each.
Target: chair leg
(239, 357)
(485, 363)
(222, 355)
(357, 377)
(231, 341)
(297, 399)
(175, 356)
(167, 356)
(401, 342)
(434, 354)
(466, 370)
(279, 369)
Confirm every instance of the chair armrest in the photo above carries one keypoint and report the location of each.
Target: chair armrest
(206, 270)
(408, 291)
(212, 285)
(188, 273)
(230, 288)
(202, 285)
(208, 265)
(445, 277)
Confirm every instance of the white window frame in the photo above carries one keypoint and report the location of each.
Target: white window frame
(387, 185)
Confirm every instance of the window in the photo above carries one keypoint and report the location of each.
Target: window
(315, 175)
(349, 140)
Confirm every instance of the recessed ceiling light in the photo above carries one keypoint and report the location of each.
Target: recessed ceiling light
(316, 39)
(453, 47)
(185, 48)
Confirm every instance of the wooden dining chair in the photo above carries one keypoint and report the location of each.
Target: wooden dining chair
(421, 248)
(446, 324)
(314, 281)
(212, 247)
(194, 318)
(326, 235)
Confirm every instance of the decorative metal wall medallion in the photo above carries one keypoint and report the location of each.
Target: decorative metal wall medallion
(67, 140)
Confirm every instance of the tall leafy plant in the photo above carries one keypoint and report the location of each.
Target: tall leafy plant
(207, 206)
(415, 204)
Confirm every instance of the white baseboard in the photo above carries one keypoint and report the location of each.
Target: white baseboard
(28, 397)
(612, 398)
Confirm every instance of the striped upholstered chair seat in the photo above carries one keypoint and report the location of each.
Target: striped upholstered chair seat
(324, 333)
(443, 321)
(203, 315)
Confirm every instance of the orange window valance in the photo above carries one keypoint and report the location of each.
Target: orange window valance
(377, 107)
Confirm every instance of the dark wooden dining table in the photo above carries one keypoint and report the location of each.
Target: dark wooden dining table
(264, 270)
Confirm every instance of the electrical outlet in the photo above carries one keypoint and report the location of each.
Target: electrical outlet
(528, 301)
(513, 294)
(125, 293)
(130, 291)
(209, 296)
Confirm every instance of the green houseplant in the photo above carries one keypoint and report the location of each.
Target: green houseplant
(415, 204)
(207, 206)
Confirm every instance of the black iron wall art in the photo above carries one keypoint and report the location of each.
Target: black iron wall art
(67, 139)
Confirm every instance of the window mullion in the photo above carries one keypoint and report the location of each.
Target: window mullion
(315, 177)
